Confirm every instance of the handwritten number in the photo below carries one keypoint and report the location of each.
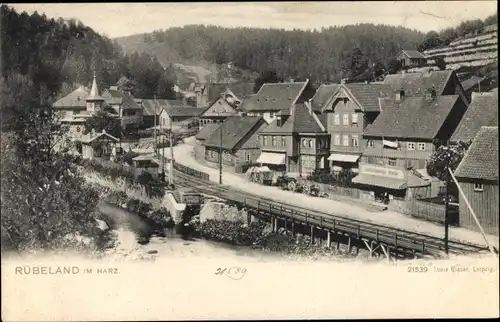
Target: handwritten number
(235, 273)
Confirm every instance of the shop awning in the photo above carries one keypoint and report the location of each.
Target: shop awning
(343, 157)
(271, 158)
(379, 181)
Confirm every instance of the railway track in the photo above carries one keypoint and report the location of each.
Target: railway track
(391, 236)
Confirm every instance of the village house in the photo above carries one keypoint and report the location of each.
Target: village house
(274, 97)
(482, 111)
(296, 141)
(202, 135)
(445, 82)
(226, 105)
(411, 58)
(151, 110)
(206, 94)
(349, 108)
(125, 106)
(477, 175)
(403, 137)
(98, 145)
(74, 109)
(175, 116)
(240, 142)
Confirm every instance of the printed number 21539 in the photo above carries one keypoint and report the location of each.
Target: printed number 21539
(417, 269)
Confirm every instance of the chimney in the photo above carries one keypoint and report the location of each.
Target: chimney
(400, 94)
(292, 80)
(308, 105)
(343, 81)
(430, 94)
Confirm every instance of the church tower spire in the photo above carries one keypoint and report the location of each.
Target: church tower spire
(94, 101)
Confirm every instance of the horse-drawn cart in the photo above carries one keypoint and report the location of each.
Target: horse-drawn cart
(260, 175)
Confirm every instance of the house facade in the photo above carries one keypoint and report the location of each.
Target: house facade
(477, 175)
(295, 142)
(411, 58)
(349, 109)
(402, 138)
(240, 142)
(275, 97)
(151, 110)
(125, 106)
(203, 134)
(218, 111)
(98, 145)
(173, 116)
(74, 109)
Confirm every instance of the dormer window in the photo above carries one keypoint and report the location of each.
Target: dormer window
(278, 121)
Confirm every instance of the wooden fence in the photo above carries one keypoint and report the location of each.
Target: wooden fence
(425, 210)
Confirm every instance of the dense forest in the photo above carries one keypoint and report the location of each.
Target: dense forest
(444, 37)
(49, 58)
(325, 55)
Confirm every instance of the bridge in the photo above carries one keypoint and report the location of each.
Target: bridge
(391, 242)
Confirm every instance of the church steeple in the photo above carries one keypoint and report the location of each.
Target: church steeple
(94, 101)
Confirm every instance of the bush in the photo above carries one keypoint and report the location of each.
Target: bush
(235, 233)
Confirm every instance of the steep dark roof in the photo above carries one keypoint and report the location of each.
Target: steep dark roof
(415, 84)
(207, 131)
(481, 159)
(413, 118)
(301, 120)
(234, 129)
(471, 82)
(73, 99)
(322, 95)
(149, 105)
(414, 54)
(176, 111)
(118, 97)
(274, 97)
(241, 90)
(368, 94)
(482, 111)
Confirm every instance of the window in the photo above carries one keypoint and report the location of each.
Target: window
(336, 119)
(354, 118)
(283, 141)
(410, 146)
(354, 140)
(274, 140)
(336, 139)
(421, 146)
(247, 156)
(392, 162)
(304, 143)
(264, 140)
(346, 119)
(478, 187)
(310, 143)
(345, 140)
(272, 114)
(371, 143)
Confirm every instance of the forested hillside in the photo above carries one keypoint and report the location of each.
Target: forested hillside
(43, 59)
(325, 55)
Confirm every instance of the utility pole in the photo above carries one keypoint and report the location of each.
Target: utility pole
(155, 144)
(220, 153)
(447, 197)
(171, 170)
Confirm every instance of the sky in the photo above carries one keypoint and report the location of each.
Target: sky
(123, 19)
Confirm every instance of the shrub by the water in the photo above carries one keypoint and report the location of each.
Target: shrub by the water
(235, 233)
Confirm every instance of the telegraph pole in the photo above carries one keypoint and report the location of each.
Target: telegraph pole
(220, 153)
(171, 170)
(447, 197)
(155, 144)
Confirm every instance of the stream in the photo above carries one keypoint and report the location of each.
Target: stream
(137, 237)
